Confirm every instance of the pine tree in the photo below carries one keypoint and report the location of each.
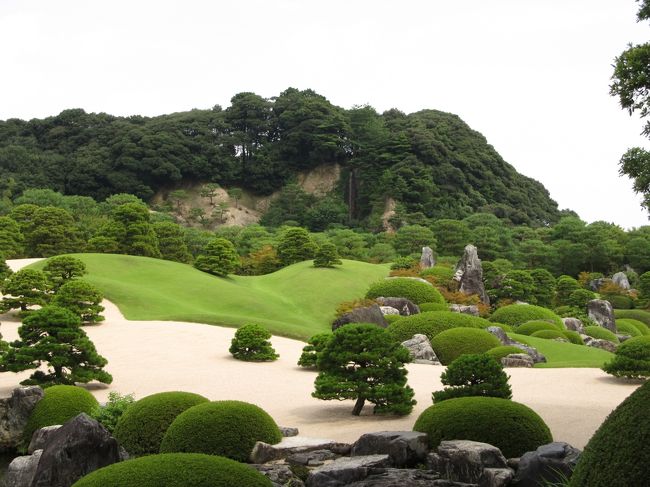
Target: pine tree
(82, 298)
(219, 258)
(62, 268)
(25, 288)
(327, 256)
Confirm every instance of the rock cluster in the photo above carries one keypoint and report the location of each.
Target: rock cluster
(404, 306)
(506, 340)
(369, 314)
(420, 349)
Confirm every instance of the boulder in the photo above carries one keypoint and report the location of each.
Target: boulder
(573, 324)
(79, 447)
(405, 448)
(279, 475)
(601, 312)
(426, 259)
(21, 470)
(389, 310)
(496, 477)
(600, 343)
(469, 273)
(312, 458)
(596, 284)
(517, 360)
(506, 340)
(343, 471)
(263, 452)
(548, 464)
(620, 279)
(395, 477)
(465, 460)
(370, 314)
(623, 338)
(40, 438)
(14, 413)
(468, 310)
(406, 307)
(420, 349)
(287, 431)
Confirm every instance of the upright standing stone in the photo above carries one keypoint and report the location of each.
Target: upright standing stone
(427, 260)
(601, 312)
(14, 413)
(620, 279)
(469, 273)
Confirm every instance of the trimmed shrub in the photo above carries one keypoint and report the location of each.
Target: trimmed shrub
(424, 307)
(59, 404)
(632, 359)
(401, 263)
(416, 291)
(251, 343)
(639, 325)
(504, 327)
(627, 328)
(574, 337)
(549, 334)
(535, 326)
(175, 470)
(503, 351)
(392, 318)
(508, 425)
(439, 271)
(635, 314)
(109, 414)
(518, 314)
(451, 344)
(142, 426)
(618, 454)
(474, 375)
(225, 428)
(620, 302)
(601, 333)
(431, 323)
(315, 345)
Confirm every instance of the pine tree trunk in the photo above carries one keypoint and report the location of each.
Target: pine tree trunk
(358, 406)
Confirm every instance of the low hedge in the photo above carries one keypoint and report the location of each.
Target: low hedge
(142, 426)
(451, 344)
(431, 323)
(424, 307)
(518, 314)
(503, 351)
(632, 359)
(635, 314)
(59, 404)
(535, 326)
(175, 470)
(225, 428)
(626, 328)
(601, 333)
(549, 334)
(412, 289)
(574, 337)
(508, 425)
(439, 271)
(620, 302)
(639, 325)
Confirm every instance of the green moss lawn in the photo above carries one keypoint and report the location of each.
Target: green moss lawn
(559, 354)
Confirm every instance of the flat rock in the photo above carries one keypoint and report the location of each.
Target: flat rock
(471, 309)
(343, 471)
(602, 344)
(263, 452)
(279, 475)
(21, 470)
(40, 438)
(405, 448)
(517, 360)
(287, 431)
(389, 310)
(496, 477)
(465, 460)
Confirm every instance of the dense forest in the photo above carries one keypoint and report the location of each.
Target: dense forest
(430, 162)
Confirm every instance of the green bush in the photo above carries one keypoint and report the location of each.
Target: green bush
(315, 345)
(109, 414)
(639, 325)
(403, 263)
(601, 333)
(632, 359)
(535, 326)
(503, 351)
(225, 428)
(618, 454)
(508, 425)
(627, 328)
(620, 302)
(59, 404)
(439, 271)
(424, 307)
(175, 470)
(251, 343)
(474, 375)
(451, 344)
(431, 323)
(549, 334)
(574, 337)
(635, 314)
(143, 425)
(504, 327)
(412, 289)
(392, 318)
(518, 314)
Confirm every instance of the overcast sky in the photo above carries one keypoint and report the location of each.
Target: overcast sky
(531, 75)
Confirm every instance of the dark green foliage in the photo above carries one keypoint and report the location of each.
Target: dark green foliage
(51, 231)
(251, 343)
(639, 325)
(112, 411)
(617, 454)
(516, 285)
(27, 287)
(295, 245)
(499, 352)
(5, 270)
(410, 239)
(517, 314)
(62, 268)
(549, 334)
(543, 287)
(218, 258)
(579, 298)
(441, 273)
(632, 359)
(310, 352)
(327, 256)
(535, 326)
(131, 228)
(431, 323)
(82, 298)
(11, 238)
(474, 375)
(626, 328)
(59, 404)
(171, 242)
(451, 344)
(226, 428)
(601, 333)
(620, 302)
(392, 318)
(644, 284)
(635, 314)
(362, 362)
(565, 286)
(175, 470)
(424, 307)
(401, 263)
(52, 336)
(142, 426)
(401, 287)
(508, 425)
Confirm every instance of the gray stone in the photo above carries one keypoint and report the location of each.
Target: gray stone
(596, 284)
(406, 307)
(370, 314)
(602, 344)
(420, 349)
(471, 309)
(263, 452)
(601, 312)
(506, 340)
(623, 338)
(21, 470)
(79, 447)
(517, 360)
(286, 431)
(548, 464)
(389, 310)
(465, 460)
(469, 272)
(40, 438)
(496, 477)
(312, 458)
(14, 413)
(427, 260)
(620, 279)
(343, 471)
(279, 475)
(394, 477)
(573, 324)
(405, 448)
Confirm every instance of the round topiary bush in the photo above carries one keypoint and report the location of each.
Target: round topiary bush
(574, 337)
(634, 314)
(632, 359)
(504, 327)
(503, 351)
(508, 425)
(535, 326)
(451, 344)
(251, 343)
(412, 289)
(142, 426)
(601, 333)
(431, 323)
(59, 404)
(620, 302)
(392, 318)
(424, 307)
(518, 314)
(226, 428)
(618, 454)
(549, 334)
(626, 328)
(639, 325)
(175, 470)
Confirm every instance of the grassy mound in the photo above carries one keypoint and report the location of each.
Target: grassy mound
(451, 344)
(142, 426)
(518, 314)
(401, 287)
(549, 334)
(601, 333)
(560, 354)
(635, 314)
(535, 326)
(627, 328)
(225, 428)
(424, 307)
(640, 326)
(431, 323)
(501, 351)
(175, 470)
(508, 425)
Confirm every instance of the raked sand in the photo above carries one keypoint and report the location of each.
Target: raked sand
(146, 357)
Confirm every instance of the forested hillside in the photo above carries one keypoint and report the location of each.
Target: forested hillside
(430, 162)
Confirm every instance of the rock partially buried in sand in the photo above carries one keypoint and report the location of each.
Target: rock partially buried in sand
(346, 470)
(263, 452)
(517, 360)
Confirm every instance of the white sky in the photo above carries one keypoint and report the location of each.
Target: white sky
(530, 75)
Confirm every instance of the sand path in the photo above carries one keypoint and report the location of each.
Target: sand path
(145, 357)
